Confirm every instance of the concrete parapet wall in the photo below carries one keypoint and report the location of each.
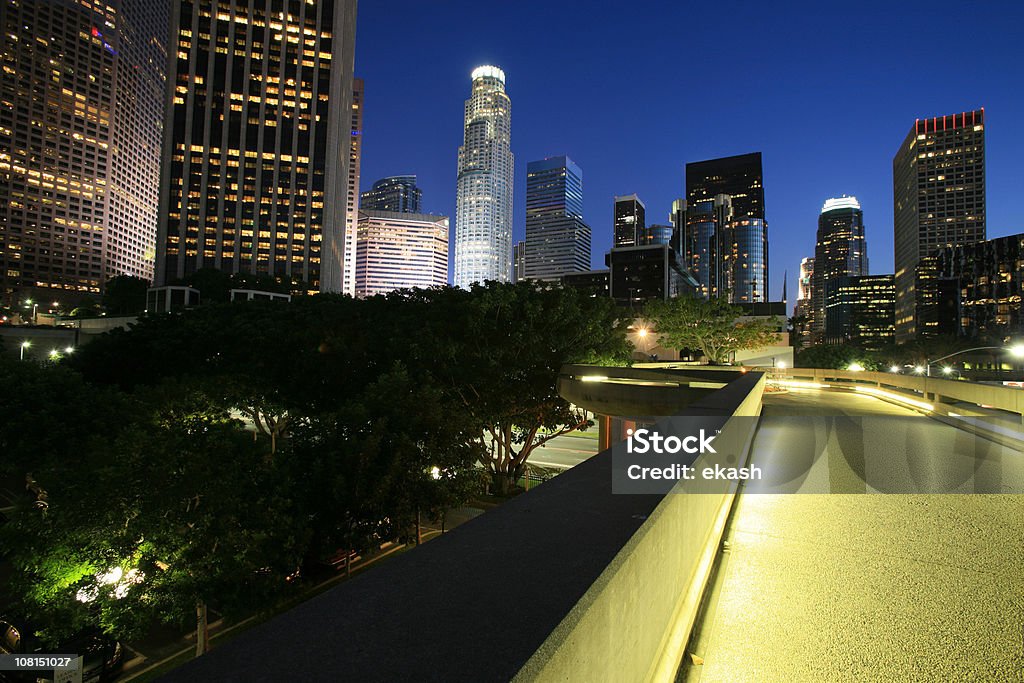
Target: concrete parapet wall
(634, 622)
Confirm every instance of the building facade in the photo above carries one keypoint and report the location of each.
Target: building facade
(973, 290)
(519, 261)
(557, 239)
(256, 150)
(801, 337)
(725, 244)
(483, 200)
(840, 251)
(348, 285)
(400, 251)
(643, 273)
(938, 199)
(860, 310)
(630, 221)
(83, 86)
(394, 193)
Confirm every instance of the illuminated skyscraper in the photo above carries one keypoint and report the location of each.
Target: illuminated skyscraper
(80, 140)
(725, 219)
(400, 251)
(630, 221)
(395, 193)
(256, 152)
(483, 200)
(352, 206)
(557, 239)
(840, 251)
(938, 200)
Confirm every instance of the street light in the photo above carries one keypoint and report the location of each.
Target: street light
(918, 369)
(69, 350)
(24, 345)
(855, 367)
(894, 369)
(1017, 351)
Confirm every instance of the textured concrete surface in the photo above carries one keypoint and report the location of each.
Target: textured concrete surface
(865, 587)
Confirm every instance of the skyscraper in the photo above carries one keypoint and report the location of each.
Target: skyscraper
(840, 251)
(256, 151)
(483, 200)
(519, 261)
(938, 199)
(80, 140)
(395, 193)
(802, 311)
(630, 221)
(557, 239)
(725, 217)
(352, 203)
(859, 310)
(399, 251)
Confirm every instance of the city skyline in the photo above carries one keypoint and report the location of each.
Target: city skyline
(801, 133)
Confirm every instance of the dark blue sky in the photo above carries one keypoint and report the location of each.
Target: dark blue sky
(632, 91)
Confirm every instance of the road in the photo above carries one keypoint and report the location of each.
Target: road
(840, 587)
(563, 452)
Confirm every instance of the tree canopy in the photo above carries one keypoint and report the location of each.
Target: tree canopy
(711, 325)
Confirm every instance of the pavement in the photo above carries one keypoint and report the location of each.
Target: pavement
(565, 451)
(842, 587)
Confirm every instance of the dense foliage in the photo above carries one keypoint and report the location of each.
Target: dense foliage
(205, 457)
(712, 325)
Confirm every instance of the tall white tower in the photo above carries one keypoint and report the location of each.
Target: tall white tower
(483, 201)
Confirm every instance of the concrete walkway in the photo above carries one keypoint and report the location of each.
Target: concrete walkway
(892, 587)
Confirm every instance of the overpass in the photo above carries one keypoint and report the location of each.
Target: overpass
(721, 583)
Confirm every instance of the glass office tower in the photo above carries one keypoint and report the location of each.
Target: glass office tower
(840, 251)
(557, 239)
(483, 199)
(394, 193)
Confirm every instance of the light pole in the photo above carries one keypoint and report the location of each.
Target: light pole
(1017, 351)
(24, 345)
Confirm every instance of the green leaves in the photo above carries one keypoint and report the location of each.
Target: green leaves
(712, 325)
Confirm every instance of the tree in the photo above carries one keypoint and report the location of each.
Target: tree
(125, 295)
(710, 325)
(833, 357)
(160, 518)
(500, 347)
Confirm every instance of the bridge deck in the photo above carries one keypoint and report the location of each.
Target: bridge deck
(836, 587)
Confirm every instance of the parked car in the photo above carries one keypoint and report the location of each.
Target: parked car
(102, 656)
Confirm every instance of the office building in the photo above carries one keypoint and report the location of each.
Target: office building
(658, 234)
(395, 193)
(257, 151)
(860, 310)
(557, 239)
(726, 240)
(639, 274)
(348, 285)
(973, 290)
(80, 139)
(483, 200)
(938, 199)
(519, 261)
(593, 283)
(802, 310)
(400, 251)
(630, 221)
(840, 251)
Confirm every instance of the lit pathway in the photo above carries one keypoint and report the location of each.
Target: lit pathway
(867, 587)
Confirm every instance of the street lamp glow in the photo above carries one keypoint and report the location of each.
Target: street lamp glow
(69, 349)
(781, 365)
(642, 332)
(946, 370)
(918, 369)
(1017, 350)
(894, 368)
(54, 354)
(855, 367)
(26, 344)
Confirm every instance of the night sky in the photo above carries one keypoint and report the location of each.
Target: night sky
(632, 91)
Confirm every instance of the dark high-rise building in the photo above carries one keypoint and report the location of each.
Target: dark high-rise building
(840, 251)
(593, 283)
(802, 311)
(557, 239)
(519, 261)
(83, 89)
(939, 199)
(643, 273)
(860, 310)
(256, 151)
(726, 239)
(973, 290)
(630, 217)
(396, 193)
